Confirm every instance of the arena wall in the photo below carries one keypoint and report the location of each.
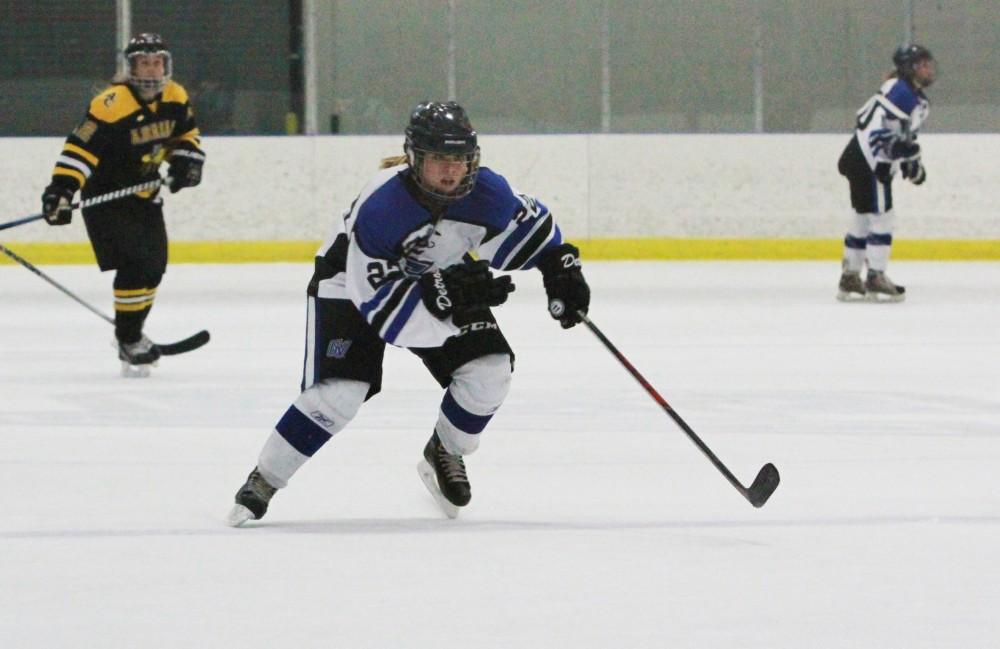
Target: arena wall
(619, 196)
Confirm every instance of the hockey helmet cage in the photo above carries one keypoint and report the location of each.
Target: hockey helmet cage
(442, 128)
(148, 43)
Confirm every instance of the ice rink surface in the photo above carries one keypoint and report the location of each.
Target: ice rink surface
(594, 523)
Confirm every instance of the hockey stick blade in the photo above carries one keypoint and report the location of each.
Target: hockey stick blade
(766, 481)
(188, 344)
(763, 485)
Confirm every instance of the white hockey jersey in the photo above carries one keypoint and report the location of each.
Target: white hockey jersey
(389, 240)
(895, 113)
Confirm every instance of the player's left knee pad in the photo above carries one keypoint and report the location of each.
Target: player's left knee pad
(476, 392)
(882, 223)
(859, 225)
(333, 403)
(320, 412)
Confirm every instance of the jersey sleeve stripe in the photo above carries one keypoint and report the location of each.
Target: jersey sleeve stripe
(525, 258)
(512, 240)
(192, 136)
(92, 159)
(185, 153)
(73, 163)
(517, 240)
(72, 173)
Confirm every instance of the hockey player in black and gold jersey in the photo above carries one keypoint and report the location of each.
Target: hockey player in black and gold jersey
(142, 120)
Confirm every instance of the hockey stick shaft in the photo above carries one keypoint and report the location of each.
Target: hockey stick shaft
(27, 264)
(95, 200)
(169, 349)
(767, 479)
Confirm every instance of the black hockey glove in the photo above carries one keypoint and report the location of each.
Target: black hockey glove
(463, 289)
(565, 286)
(913, 171)
(56, 200)
(185, 169)
(904, 150)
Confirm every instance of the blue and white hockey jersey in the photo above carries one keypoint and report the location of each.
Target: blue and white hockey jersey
(895, 113)
(389, 240)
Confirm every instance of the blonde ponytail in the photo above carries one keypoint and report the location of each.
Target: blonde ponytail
(392, 161)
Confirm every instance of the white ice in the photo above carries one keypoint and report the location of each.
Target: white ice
(595, 522)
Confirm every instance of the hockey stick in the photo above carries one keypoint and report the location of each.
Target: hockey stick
(95, 200)
(169, 349)
(767, 479)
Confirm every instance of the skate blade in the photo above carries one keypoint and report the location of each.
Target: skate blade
(880, 298)
(239, 515)
(846, 296)
(429, 478)
(130, 371)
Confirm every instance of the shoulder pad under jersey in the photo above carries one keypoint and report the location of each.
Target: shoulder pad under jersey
(386, 217)
(114, 104)
(903, 96)
(491, 203)
(175, 93)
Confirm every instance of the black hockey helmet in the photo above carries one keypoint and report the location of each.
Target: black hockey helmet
(907, 56)
(148, 43)
(442, 128)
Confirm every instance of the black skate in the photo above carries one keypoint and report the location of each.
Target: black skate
(251, 500)
(137, 357)
(851, 288)
(879, 288)
(444, 476)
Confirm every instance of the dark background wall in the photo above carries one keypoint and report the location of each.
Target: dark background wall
(522, 66)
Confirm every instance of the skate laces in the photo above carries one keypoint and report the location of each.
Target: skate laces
(453, 466)
(851, 281)
(879, 281)
(259, 487)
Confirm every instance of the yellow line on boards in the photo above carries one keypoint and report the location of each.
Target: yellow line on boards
(781, 249)
(231, 252)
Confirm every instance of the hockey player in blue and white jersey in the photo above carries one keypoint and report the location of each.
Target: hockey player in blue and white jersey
(884, 142)
(401, 271)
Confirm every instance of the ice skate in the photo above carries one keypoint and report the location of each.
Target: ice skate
(137, 357)
(251, 500)
(851, 288)
(445, 477)
(879, 288)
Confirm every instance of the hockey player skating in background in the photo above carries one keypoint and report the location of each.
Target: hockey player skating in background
(884, 141)
(400, 271)
(143, 119)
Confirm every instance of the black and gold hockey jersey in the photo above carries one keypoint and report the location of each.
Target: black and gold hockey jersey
(122, 141)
